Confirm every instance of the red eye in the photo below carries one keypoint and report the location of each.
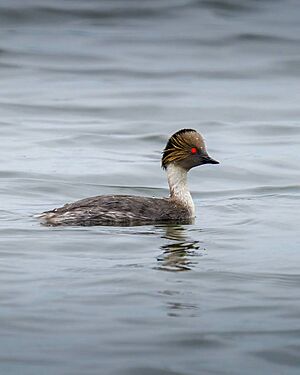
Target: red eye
(194, 150)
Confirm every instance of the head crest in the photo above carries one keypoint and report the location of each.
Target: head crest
(176, 148)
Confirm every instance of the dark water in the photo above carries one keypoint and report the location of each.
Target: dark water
(90, 91)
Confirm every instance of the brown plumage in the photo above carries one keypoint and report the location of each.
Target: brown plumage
(184, 150)
(179, 146)
(117, 210)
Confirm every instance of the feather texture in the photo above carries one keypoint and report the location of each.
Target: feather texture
(184, 150)
(117, 210)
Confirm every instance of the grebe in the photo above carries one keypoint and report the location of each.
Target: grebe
(184, 150)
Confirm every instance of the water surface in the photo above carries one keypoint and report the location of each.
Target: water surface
(90, 92)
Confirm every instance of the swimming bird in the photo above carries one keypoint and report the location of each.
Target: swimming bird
(184, 150)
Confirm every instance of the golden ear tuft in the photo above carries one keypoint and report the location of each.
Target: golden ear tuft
(177, 147)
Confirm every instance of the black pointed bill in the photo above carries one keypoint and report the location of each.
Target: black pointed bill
(206, 159)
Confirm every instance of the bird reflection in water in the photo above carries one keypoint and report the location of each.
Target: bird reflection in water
(177, 254)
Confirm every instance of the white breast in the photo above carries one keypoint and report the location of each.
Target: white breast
(177, 179)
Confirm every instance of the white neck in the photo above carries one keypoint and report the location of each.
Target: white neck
(177, 179)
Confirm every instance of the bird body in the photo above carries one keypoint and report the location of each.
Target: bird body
(118, 210)
(184, 150)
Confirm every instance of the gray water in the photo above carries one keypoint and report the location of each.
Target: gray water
(90, 92)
